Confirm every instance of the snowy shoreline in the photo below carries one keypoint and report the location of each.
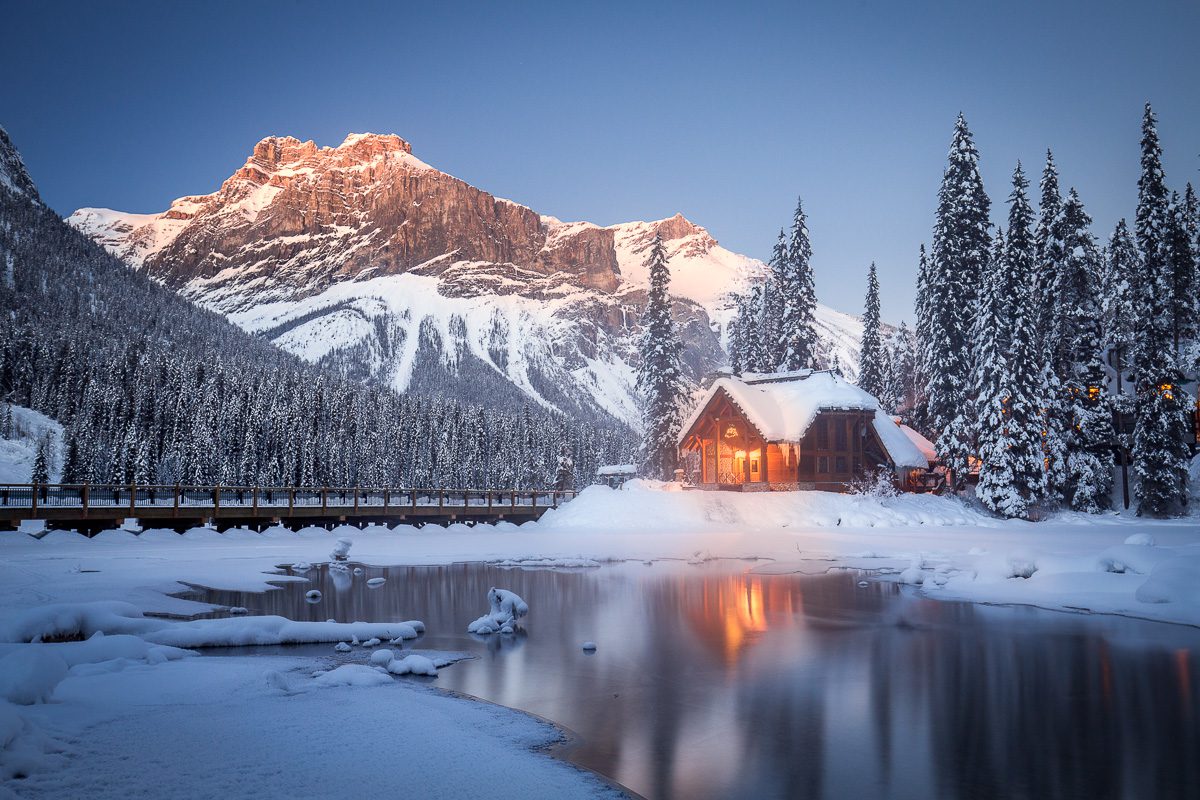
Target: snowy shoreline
(63, 585)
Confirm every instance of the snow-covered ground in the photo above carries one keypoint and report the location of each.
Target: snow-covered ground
(18, 451)
(241, 727)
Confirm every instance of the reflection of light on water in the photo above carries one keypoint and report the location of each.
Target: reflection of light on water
(732, 611)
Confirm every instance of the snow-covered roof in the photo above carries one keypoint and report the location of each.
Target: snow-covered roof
(924, 445)
(783, 405)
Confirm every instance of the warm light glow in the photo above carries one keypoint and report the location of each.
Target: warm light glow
(731, 432)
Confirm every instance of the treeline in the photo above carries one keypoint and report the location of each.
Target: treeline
(150, 388)
(1017, 329)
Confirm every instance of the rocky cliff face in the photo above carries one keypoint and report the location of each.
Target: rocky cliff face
(12, 169)
(366, 257)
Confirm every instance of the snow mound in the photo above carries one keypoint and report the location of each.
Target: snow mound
(413, 665)
(505, 608)
(381, 658)
(375, 583)
(341, 549)
(1143, 539)
(352, 675)
(1176, 581)
(589, 647)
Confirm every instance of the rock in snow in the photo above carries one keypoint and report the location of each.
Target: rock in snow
(312, 595)
(505, 609)
(342, 647)
(375, 583)
(589, 647)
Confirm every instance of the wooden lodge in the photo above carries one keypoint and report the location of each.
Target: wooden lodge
(796, 430)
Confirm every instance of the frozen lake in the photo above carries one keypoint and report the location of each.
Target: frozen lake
(711, 681)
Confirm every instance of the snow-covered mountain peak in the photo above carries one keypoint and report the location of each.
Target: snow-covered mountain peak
(365, 256)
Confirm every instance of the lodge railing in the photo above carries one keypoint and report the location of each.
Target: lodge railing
(183, 500)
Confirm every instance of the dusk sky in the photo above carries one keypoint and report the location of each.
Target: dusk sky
(620, 111)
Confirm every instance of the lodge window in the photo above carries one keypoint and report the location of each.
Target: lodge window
(806, 463)
(822, 432)
(823, 465)
(842, 441)
(841, 464)
(754, 465)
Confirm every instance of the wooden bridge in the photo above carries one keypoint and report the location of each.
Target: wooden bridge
(89, 508)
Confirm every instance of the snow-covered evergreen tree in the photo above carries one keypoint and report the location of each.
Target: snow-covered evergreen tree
(997, 488)
(1082, 400)
(1182, 255)
(1159, 452)
(1014, 443)
(797, 327)
(771, 349)
(872, 359)
(739, 329)
(961, 245)
(660, 376)
(1048, 238)
(41, 467)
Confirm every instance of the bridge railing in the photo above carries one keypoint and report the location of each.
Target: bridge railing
(265, 500)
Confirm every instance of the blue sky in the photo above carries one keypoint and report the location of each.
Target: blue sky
(617, 111)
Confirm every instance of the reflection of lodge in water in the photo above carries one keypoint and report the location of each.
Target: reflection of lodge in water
(796, 430)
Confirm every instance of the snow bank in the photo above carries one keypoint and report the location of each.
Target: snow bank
(112, 617)
(352, 675)
(505, 608)
(640, 507)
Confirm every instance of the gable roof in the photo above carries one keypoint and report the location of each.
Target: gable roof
(783, 405)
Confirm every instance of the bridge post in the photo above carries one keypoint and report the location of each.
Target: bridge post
(132, 499)
(554, 499)
(356, 499)
(83, 500)
(324, 499)
(175, 512)
(255, 500)
(291, 501)
(33, 501)
(533, 498)
(216, 501)
(387, 495)
(489, 499)
(441, 499)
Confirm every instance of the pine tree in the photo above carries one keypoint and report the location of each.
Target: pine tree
(798, 322)
(40, 473)
(1182, 255)
(1084, 413)
(771, 347)
(872, 358)
(1159, 452)
(1023, 389)
(997, 488)
(1048, 238)
(961, 245)
(758, 346)
(660, 376)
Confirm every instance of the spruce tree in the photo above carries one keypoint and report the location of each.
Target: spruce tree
(872, 358)
(758, 348)
(961, 245)
(40, 473)
(1082, 402)
(738, 328)
(772, 348)
(1182, 255)
(997, 488)
(798, 335)
(1027, 390)
(1159, 452)
(1050, 250)
(660, 376)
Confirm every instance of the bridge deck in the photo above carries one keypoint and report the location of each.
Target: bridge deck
(92, 507)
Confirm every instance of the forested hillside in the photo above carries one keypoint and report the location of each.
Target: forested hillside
(150, 388)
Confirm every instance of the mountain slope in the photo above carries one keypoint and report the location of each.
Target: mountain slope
(150, 388)
(367, 259)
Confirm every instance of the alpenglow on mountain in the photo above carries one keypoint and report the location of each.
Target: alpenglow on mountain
(366, 258)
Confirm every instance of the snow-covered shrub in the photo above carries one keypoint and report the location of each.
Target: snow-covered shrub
(880, 485)
(505, 609)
